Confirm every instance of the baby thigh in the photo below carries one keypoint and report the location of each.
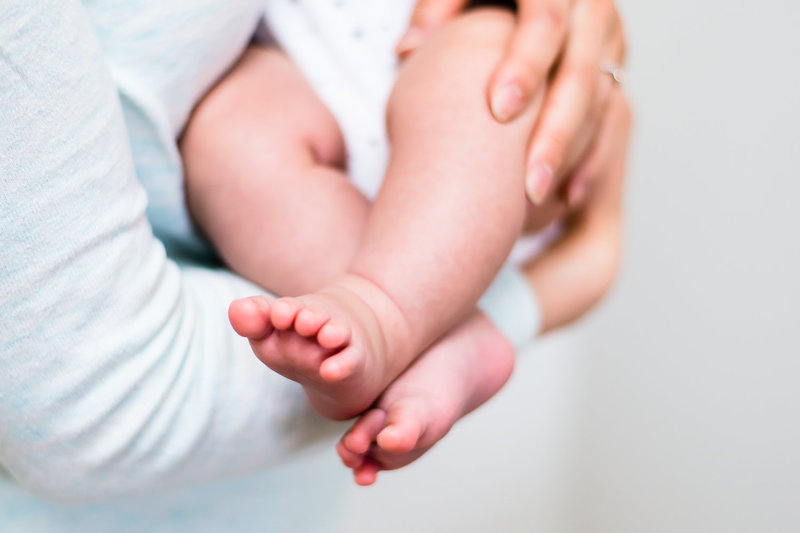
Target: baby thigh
(263, 158)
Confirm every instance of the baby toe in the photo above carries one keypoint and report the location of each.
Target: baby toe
(367, 473)
(403, 430)
(283, 313)
(309, 321)
(359, 438)
(348, 457)
(333, 334)
(341, 365)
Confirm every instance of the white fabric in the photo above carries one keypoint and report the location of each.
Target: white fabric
(346, 51)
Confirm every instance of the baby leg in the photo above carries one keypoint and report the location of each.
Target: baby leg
(454, 187)
(264, 165)
(263, 174)
(264, 177)
(450, 209)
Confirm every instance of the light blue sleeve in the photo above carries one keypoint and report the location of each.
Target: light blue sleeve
(511, 304)
(118, 371)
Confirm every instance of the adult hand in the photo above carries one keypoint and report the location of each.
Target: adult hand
(576, 272)
(576, 35)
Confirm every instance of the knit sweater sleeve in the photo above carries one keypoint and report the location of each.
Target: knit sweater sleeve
(118, 371)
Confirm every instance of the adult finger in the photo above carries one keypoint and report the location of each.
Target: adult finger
(427, 15)
(568, 98)
(603, 154)
(591, 130)
(577, 271)
(613, 57)
(535, 44)
(586, 258)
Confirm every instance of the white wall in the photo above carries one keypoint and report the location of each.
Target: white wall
(690, 406)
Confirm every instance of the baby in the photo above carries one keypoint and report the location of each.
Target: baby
(372, 286)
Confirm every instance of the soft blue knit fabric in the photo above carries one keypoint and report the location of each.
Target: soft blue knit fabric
(118, 371)
(119, 374)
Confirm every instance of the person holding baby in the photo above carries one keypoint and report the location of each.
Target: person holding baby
(142, 142)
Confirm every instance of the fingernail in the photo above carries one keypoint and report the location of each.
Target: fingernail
(506, 102)
(411, 40)
(538, 181)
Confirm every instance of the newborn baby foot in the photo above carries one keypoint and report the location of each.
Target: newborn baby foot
(458, 374)
(333, 342)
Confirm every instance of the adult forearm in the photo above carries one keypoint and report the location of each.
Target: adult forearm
(118, 372)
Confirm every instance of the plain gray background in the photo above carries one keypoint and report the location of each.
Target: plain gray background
(675, 407)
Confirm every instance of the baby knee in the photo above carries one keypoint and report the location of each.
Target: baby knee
(262, 118)
(456, 59)
(486, 29)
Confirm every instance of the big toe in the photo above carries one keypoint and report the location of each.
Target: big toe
(250, 317)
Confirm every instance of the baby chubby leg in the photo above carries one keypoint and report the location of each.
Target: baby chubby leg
(264, 163)
(264, 176)
(452, 204)
(450, 209)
